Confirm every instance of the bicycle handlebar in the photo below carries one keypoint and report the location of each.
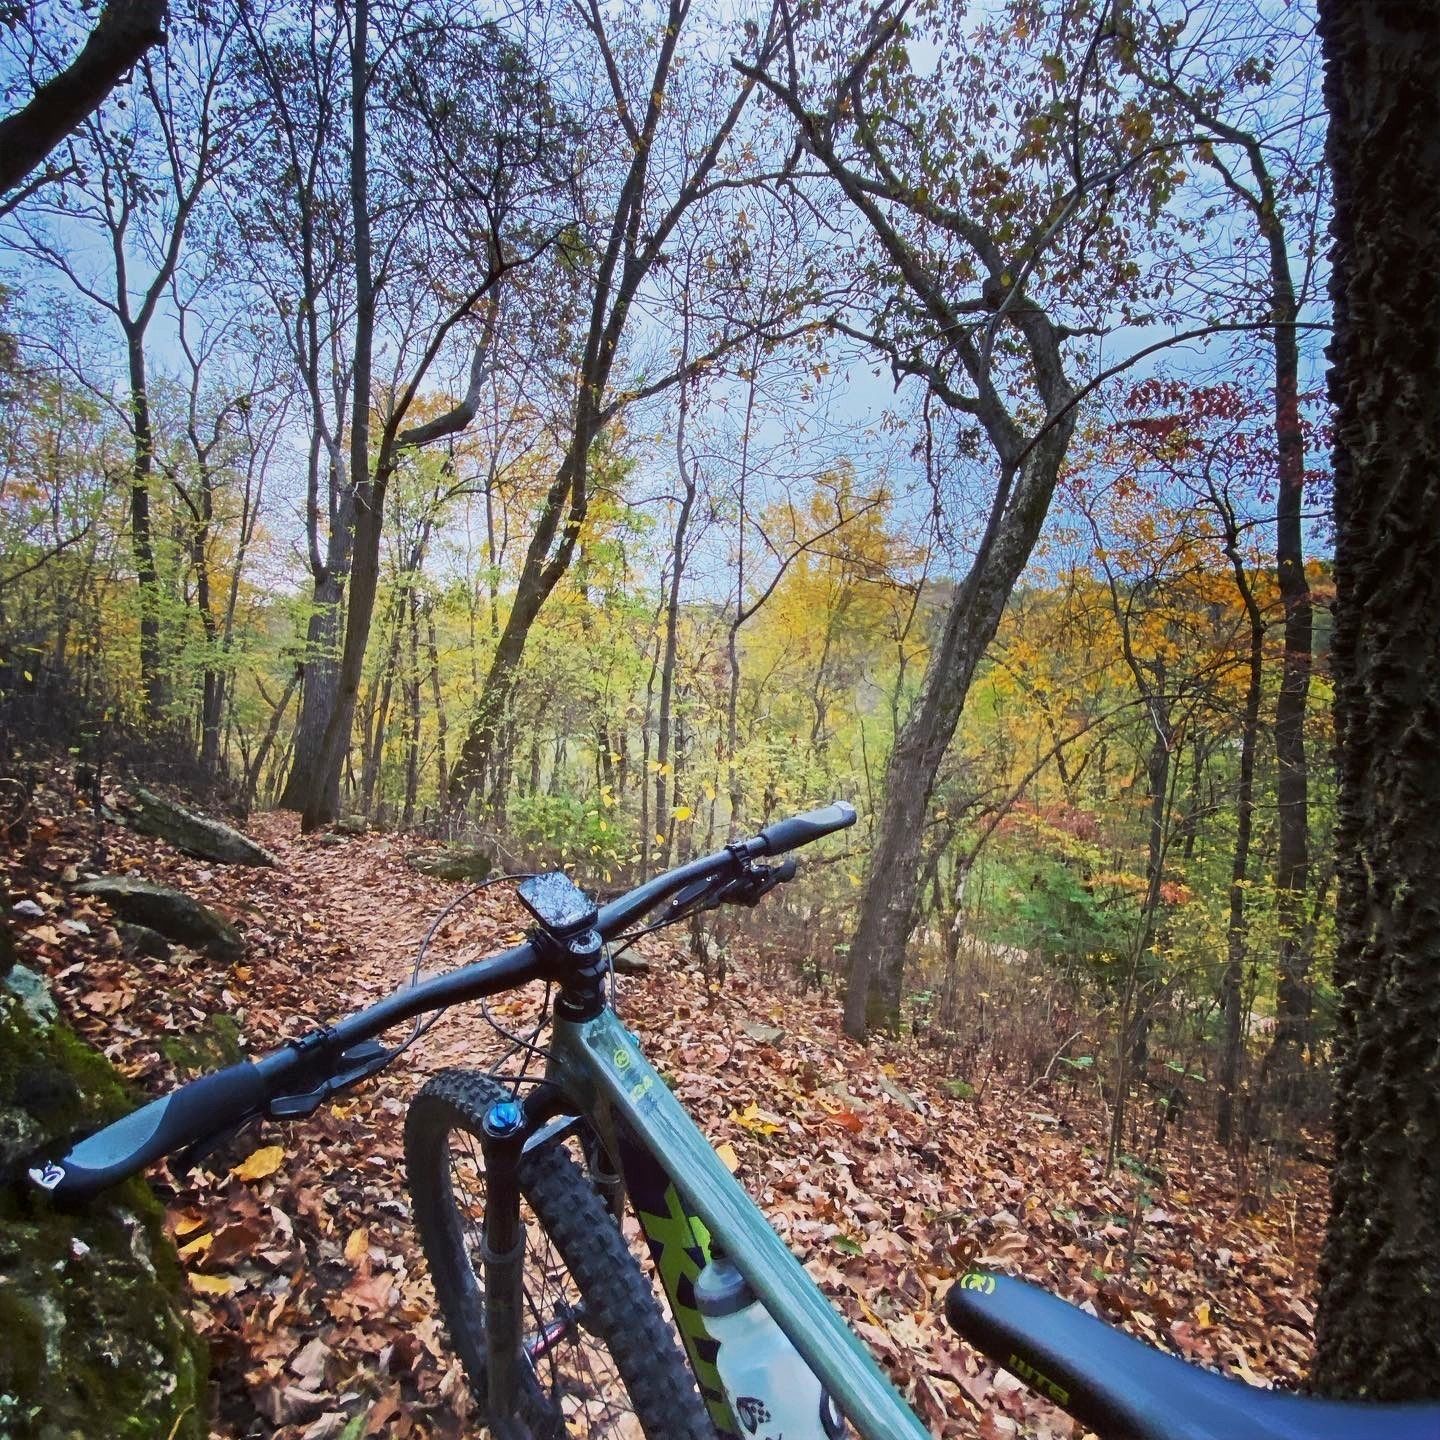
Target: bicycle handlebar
(206, 1106)
(214, 1103)
(800, 830)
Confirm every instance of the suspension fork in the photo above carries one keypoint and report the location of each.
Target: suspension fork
(502, 1248)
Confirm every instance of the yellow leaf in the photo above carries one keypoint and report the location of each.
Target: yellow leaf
(1202, 1314)
(187, 1222)
(756, 1120)
(212, 1284)
(659, 838)
(357, 1247)
(197, 1247)
(683, 812)
(727, 1153)
(260, 1164)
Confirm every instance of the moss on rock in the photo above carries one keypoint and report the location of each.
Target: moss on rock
(92, 1310)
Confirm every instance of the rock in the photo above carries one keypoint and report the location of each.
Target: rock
(762, 1034)
(901, 1097)
(143, 940)
(93, 1302)
(842, 1093)
(172, 912)
(352, 825)
(29, 909)
(454, 862)
(193, 833)
(631, 963)
(34, 996)
(327, 837)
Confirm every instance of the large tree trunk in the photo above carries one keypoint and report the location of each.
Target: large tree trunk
(321, 674)
(877, 955)
(125, 31)
(1378, 1330)
(322, 790)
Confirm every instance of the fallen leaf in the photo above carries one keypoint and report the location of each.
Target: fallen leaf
(308, 1363)
(757, 1121)
(212, 1284)
(261, 1163)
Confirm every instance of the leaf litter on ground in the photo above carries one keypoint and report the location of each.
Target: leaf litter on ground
(305, 1274)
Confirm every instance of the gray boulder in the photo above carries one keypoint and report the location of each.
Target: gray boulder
(33, 994)
(192, 832)
(454, 862)
(143, 940)
(172, 912)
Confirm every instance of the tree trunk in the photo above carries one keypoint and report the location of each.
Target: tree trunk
(672, 628)
(877, 955)
(1378, 1328)
(375, 736)
(322, 793)
(142, 542)
(477, 761)
(252, 773)
(1293, 993)
(412, 701)
(1232, 982)
(442, 769)
(322, 676)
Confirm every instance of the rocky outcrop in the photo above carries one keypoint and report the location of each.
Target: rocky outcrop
(171, 912)
(192, 832)
(94, 1338)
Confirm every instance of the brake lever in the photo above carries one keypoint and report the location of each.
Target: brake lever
(356, 1064)
(757, 882)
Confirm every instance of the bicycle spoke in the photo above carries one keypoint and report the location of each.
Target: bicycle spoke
(571, 1365)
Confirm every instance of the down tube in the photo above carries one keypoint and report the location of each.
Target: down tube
(607, 1055)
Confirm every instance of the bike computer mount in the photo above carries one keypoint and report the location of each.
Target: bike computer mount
(561, 906)
(567, 933)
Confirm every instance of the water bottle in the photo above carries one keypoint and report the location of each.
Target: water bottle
(772, 1391)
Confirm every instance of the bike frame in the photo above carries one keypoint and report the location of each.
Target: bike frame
(687, 1203)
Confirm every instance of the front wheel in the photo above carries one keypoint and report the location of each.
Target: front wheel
(602, 1359)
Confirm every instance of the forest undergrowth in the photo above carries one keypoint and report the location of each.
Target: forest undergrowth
(307, 1280)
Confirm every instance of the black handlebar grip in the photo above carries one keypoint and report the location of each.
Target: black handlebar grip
(194, 1112)
(799, 830)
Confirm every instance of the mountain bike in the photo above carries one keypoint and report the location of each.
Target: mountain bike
(521, 1190)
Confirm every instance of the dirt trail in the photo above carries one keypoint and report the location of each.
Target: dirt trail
(308, 1281)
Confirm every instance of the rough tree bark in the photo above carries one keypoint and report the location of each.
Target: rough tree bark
(1378, 1328)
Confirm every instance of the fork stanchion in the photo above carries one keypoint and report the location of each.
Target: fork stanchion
(503, 1255)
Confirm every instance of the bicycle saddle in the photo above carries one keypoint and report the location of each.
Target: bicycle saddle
(1124, 1390)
